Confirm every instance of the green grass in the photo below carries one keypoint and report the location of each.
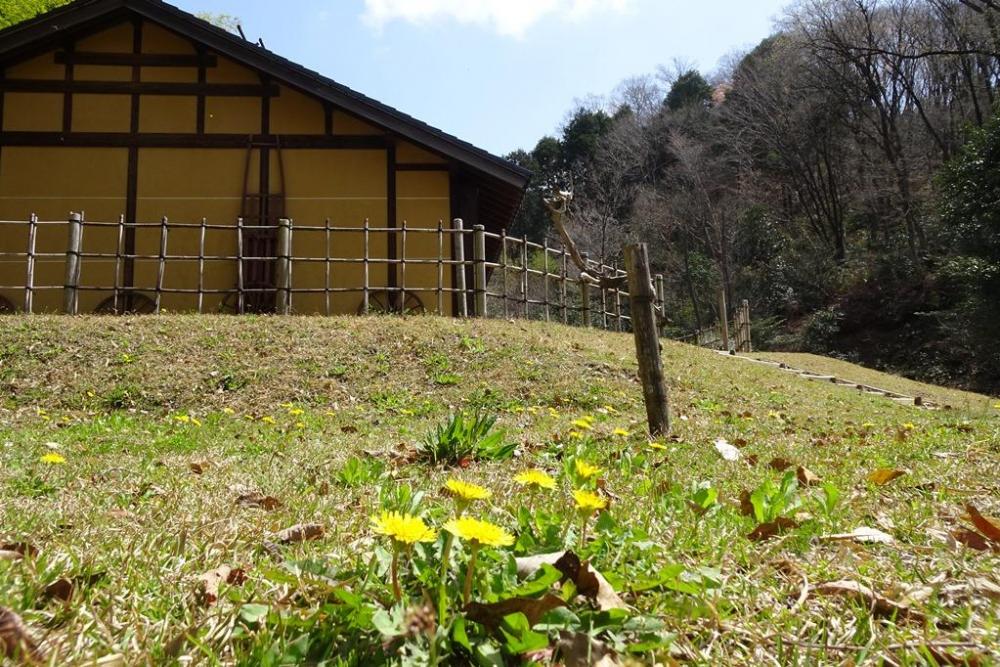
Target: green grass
(323, 415)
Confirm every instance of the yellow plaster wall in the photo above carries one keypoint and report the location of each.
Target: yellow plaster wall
(168, 113)
(294, 113)
(102, 113)
(407, 153)
(422, 200)
(32, 112)
(40, 67)
(345, 123)
(232, 115)
(229, 71)
(117, 39)
(52, 182)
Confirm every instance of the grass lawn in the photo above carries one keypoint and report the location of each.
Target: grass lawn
(148, 467)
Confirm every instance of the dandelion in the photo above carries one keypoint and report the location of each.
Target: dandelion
(587, 504)
(184, 419)
(553, 412)
(610, 410)
(288, 406)
(908, 426)
(465, 492)
(658, 446)
(300, 426)
(585, 470)
(229, 411)
(296, 412)
(404, 530)
(196, 422)
(575, 435)
(583, 425)
(478, 534)
(533, 410)
(53, 459)
(268, 419)
(621, 433)
(538, 479)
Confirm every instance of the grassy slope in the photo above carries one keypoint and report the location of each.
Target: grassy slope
(107, 393)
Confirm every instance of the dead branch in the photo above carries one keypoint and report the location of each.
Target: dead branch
(558, 207)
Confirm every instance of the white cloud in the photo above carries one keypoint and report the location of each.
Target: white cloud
(510, 18)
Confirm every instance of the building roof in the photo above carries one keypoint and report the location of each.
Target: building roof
(505, 178)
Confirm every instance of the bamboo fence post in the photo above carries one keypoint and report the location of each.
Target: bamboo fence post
(647, 341)
(283, 279)
(119, 257)
(604, 306)
(440, 267)
(724, 319)
(503, 271)
(458, 233)
(545, 278)
(29, 280)
(585, 294)
(524, 274)
(240, 300)
(661, 299)
(402, 269)
(71, 299)
(746, 319)
(618, 307)
(201, 266)
(563, 278)
(479, 268)
(161, 266)
(327, 269)
(365, 267)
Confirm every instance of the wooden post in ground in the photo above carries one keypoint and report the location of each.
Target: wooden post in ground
(161, 265)
(29, 282)
(724, 319)
(283, 268)
(458, 237)
(365, 267)
(479, 268)
(585, 296)
(661, 300)
(647, 340)
(74, 245)
(746, 323)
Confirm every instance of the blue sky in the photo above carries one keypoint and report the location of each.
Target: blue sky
(498, 73)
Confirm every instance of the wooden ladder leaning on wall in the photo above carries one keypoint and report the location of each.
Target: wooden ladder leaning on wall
(261, 212)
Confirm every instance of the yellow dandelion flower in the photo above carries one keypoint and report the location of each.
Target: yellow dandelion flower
(196, 422)
(300, 425)
(610, 410)
(908, 426)
(53, 458)
(229, 411)
(583, 425)
(288, 406)
(658, 446)
(184, 419)
(479, 532)
(465, 491)
(868, 425)
(622, 433)
(296, 412)
(586, 470)
(331, 413)
(42, 411)
(997, 406)
(269, 420)
(91, 394)
(576, 435)
(533, 410)
(536, 478)
(553, 412)
(588, 502)
(403, 528)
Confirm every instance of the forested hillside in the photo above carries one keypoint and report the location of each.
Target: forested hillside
(842, 175)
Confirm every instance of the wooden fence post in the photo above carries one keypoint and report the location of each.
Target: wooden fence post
(71, 301)
(283, 270)
(647, 340)
(479, 267)
(746, 323)
(161, 265)
(29, 283)
(240, 278)
(724, 319)
(585, 295)
(661, 301)
(365, 264)
(458, 236)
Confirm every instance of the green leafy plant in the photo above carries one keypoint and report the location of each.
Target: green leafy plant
(772, 501)
(465, 438)
(829, 496)
(358, 472)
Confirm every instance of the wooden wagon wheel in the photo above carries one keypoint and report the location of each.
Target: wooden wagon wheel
(382, 302)
(129, 303)
(6, 306)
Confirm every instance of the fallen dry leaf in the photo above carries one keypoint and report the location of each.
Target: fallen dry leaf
(985, 525)
(746, 505)
(985, 587)
(22, 549)
(807, 477)
(780, 464)
(863, 535)
(490, 615)
(883, 476)
(16, 642)
(766, 531)
(589, 582)
(302, 532)
(971, 539)
(726, 450)
(268, 503)
(209, 583)
(941, 657)
(876, 603)
(577, 649)
(63, 589)
(198, 468)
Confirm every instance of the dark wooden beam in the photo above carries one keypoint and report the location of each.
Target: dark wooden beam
(135, 59)
(139, 88)
(125, 140)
